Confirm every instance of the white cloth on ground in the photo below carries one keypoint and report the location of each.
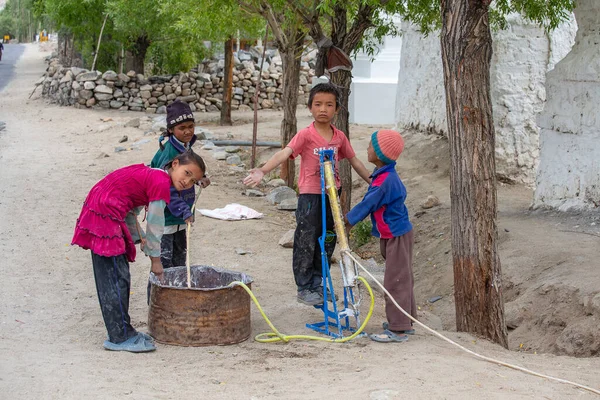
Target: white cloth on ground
(232, 212)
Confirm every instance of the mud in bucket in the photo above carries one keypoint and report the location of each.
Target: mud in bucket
(208, 313)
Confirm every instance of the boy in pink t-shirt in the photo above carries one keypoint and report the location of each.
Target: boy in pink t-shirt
(323, 103)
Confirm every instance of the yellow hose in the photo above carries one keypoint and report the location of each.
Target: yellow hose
(276, 336)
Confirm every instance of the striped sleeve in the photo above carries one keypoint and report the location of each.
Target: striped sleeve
(155, 227)
(133, 225)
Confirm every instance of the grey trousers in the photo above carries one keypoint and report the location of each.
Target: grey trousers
(399, 280)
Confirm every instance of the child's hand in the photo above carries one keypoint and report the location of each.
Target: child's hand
(142, 243)
(348, 228)
(254, 178)
(190, 220)
(156, 267)
(204, 182)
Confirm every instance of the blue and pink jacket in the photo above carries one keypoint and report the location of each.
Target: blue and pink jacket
(385, 202)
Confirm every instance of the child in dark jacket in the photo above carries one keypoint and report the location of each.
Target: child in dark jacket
(384, 201)
(180, 138)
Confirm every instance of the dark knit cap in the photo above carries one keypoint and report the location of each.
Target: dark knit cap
(178, 112)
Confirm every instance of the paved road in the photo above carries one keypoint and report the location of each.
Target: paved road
(10, 56)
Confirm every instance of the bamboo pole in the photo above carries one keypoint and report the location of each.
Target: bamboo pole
(187, 242)
(98, 45)
(349, 270)
(187, 255)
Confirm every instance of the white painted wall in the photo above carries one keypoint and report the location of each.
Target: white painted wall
(420, 101)
(522, 55)
(569, 171)
(373, 90)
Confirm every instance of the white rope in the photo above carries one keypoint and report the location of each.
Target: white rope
(488, 359)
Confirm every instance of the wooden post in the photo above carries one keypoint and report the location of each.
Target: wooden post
(227, 84)
(255, 121)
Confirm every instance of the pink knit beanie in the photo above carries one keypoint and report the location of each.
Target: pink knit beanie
(388, 145)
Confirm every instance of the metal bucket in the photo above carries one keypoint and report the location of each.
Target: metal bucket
(206, 314)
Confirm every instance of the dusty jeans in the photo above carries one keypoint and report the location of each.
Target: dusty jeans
(306, 261)
(113, 284)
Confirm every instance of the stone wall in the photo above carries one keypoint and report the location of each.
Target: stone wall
(201, 88)
(569, 171)
(521, 56)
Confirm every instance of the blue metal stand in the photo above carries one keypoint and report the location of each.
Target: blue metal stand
(335, 321)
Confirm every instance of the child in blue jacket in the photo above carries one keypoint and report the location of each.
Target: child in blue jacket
(384, 201)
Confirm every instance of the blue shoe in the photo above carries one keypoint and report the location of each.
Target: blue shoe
(386, 326)
(135, 344)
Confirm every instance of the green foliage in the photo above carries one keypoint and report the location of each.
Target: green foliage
(361, 233)
(83, 18)
(139, 18)
(212, 20)
(18, 19)
(373, 38)
(194, 22)
(547, 13)
(7, 23)
(170, 57)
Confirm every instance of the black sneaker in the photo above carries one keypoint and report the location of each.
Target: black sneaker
(310, 298)
(329, 297)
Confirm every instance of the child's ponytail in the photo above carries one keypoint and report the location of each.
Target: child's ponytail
(166, 134)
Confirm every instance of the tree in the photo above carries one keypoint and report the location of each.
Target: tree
(466, 44)
(466, 55)
(140, 27)
(219, 16)
(219, 21)
(141, 24)
(289, 37)
(17, 18)
(78, 23)
(7, 22)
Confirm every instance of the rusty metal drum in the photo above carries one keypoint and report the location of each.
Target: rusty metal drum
(208, 313)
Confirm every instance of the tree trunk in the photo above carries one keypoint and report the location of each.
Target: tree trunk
(137, 54)
(65, 48)
(342, 79)
(321, 62)
(227, 84)
(466, 53)
(290, 58)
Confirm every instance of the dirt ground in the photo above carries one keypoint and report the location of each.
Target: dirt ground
(51, 329)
